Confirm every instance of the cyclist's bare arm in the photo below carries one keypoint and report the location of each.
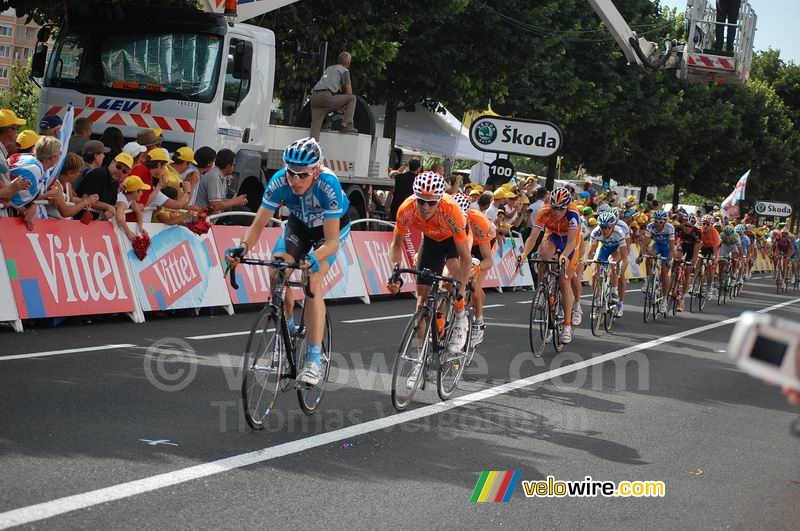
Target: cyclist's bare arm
(530, 242)
(465, 265)
(395, 248)
(572, 243)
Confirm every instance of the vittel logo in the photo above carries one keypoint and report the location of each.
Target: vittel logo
(174, 274)
(73, 273)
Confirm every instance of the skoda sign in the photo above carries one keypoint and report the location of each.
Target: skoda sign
(530, 138)
(772, 208)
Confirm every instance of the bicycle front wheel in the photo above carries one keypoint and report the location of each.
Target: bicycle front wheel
(598, 307)
(409, 363)
(649, 294)
(311, 397)
(262, 366)
(451, 366)
(539, 325)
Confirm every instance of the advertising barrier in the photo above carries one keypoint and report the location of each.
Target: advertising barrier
(8, 308)
(344, 279)
(372, 250)
(181, 270)
(505, 265)
(64, 268)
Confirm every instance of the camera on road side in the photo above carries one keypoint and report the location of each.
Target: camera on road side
(767, 347)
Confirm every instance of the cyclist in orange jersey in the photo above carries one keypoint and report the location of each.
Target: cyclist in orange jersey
(445, 240)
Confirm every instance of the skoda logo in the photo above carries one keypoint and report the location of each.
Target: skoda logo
(761, 207)
(485, 133)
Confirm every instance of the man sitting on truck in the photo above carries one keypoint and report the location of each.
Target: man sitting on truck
(334, 90)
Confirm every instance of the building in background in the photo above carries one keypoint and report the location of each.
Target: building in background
(17, 43)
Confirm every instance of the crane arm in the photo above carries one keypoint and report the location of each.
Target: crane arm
(246, 9)
(638, 50)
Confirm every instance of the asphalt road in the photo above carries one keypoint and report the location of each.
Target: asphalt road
(120, 438)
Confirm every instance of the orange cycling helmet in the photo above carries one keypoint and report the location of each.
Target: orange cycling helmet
(560, 198)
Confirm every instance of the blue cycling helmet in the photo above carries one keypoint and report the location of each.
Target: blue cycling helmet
(660, 215)
(739, 229)
(606, 219)
(303, 152)
(615, 213)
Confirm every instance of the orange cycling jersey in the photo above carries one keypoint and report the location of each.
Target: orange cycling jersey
(710, 238)
(569, 223)
(483, 230)
(448, 222)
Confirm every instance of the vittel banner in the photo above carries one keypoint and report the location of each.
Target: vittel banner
(181, 270)
(64, 268)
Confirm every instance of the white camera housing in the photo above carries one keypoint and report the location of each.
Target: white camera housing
(767, 347)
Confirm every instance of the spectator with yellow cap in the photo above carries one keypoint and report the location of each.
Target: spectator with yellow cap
(152, 173)
(25, 142)
(105, 183)
(9, 128)
(182, 160)
(499, 199)
(131, 197)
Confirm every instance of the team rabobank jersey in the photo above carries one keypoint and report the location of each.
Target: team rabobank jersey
(610, 242)
(324, 200)
(571, 222)
(28, 168)
(666, 234)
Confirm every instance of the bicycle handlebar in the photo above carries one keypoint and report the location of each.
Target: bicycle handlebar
(426, 274)
(280, 265)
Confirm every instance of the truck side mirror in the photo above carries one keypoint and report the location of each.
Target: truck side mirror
(38, 60)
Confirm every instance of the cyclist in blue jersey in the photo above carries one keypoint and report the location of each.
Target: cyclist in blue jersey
(746, 244)
(613, 243)
(317, 224)
(661, 234)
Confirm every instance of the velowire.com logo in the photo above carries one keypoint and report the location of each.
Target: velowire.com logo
(495, 486)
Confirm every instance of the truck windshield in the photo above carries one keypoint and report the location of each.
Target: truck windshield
(145, 65)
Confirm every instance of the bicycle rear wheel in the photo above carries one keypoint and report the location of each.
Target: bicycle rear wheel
(410, 359)
(311, 397)
(262, 367)
(451, 366)
(539, 324)
(649, 294)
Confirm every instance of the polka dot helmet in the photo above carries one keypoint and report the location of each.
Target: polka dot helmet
(429, 186)
(463, 202)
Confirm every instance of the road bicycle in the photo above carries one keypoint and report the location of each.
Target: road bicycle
(275, 355)
(424, 346)
(678, 277)
(724, 281)
(547, 309)
(781, 276)
(603, 309)
(653, 294)
(700, 290)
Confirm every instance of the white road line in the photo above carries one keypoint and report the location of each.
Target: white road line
(65, 351)
(226, 334)
(400, 316)
(49, 509)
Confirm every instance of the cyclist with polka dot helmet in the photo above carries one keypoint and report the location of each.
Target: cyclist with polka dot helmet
(444, 241)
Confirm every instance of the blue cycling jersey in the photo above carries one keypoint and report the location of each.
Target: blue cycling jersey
(745, 241)
(324, 200)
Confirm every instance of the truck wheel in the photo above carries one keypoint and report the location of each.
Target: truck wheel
(363, 118)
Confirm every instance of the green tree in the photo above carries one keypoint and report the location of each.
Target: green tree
(49, 12)
(23, 95)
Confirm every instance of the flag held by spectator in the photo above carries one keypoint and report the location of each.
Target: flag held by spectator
(731, 204)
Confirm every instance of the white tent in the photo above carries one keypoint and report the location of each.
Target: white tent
(431, 132)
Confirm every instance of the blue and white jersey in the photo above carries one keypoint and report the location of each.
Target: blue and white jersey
(626, 230)
(27, 168)
(324, 200)
(611, 242)
(662, 237)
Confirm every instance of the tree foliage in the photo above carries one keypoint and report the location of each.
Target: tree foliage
(23, 95)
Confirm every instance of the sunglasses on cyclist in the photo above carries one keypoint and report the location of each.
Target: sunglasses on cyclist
(557, 209)
(298, 174)
(422, 202)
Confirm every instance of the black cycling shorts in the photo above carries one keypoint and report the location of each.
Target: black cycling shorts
(707, 252)
(298, 239)
(688, 250)
(433, 255)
